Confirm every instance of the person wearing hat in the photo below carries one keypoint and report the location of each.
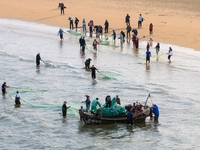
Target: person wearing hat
(87, 63)
(38, 58)
(17, 98)
(64, 109)
(87, 102)
(3, 88)
(94, 105)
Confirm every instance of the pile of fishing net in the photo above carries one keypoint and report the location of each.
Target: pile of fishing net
(113, 111)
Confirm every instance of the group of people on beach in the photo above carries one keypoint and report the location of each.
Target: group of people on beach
(99, 31)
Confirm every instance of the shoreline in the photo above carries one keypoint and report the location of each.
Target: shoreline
(183, 33)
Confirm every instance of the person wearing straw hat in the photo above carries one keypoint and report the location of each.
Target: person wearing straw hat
(64, 109)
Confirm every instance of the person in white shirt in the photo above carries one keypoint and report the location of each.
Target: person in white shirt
(170, 53)
(140, 20)
(84, 25)
(17, 98)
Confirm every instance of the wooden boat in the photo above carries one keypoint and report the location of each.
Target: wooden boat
(90, 118)
(145, 111)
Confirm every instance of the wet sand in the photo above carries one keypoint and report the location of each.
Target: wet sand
(175, 21)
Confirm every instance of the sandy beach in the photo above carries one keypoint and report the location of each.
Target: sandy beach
(174, 21)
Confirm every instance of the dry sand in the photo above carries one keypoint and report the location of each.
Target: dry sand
(175, 21)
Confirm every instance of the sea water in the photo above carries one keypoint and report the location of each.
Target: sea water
(38, 123)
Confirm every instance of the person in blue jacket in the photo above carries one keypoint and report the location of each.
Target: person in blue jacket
(94, 105)
(87, 101)
(148, 54)
(155, 111)
(130, 117)
(114, 34)
(127, 20)
(60, 32)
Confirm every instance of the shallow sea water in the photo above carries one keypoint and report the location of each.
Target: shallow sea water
(38, 123)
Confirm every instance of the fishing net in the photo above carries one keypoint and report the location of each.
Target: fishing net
(73, 106)
(104, 42)
(74, 33)
(113, 111)
(108, 76)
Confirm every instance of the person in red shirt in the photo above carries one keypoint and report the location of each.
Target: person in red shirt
(94, 44)
(151, 29)
(3, 88)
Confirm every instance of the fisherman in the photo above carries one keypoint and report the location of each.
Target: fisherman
(17, 98)
(140, 20)
(114, 35)
(83, 44)
(151, 29)
(135, 40)
(127, 20)
(108, 101)
(94, 105)
(91, 24)
(62, 6)
(87, 102)
(100, 30)
(94, 44)
(60, 32)
(123, 34)
(76, 22)
(155, 111)
(3, 88)
(121, 38)
(117, 99)
(71, 24)
(64, 109)
(93, 70)
(170, 53)
(87, 63)
(148, 54)
(130, 117)
(128, 31)
(80, 41)
(157, 48)
(106, 26)
(81, 111)
(38, 58)
(84, 25)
